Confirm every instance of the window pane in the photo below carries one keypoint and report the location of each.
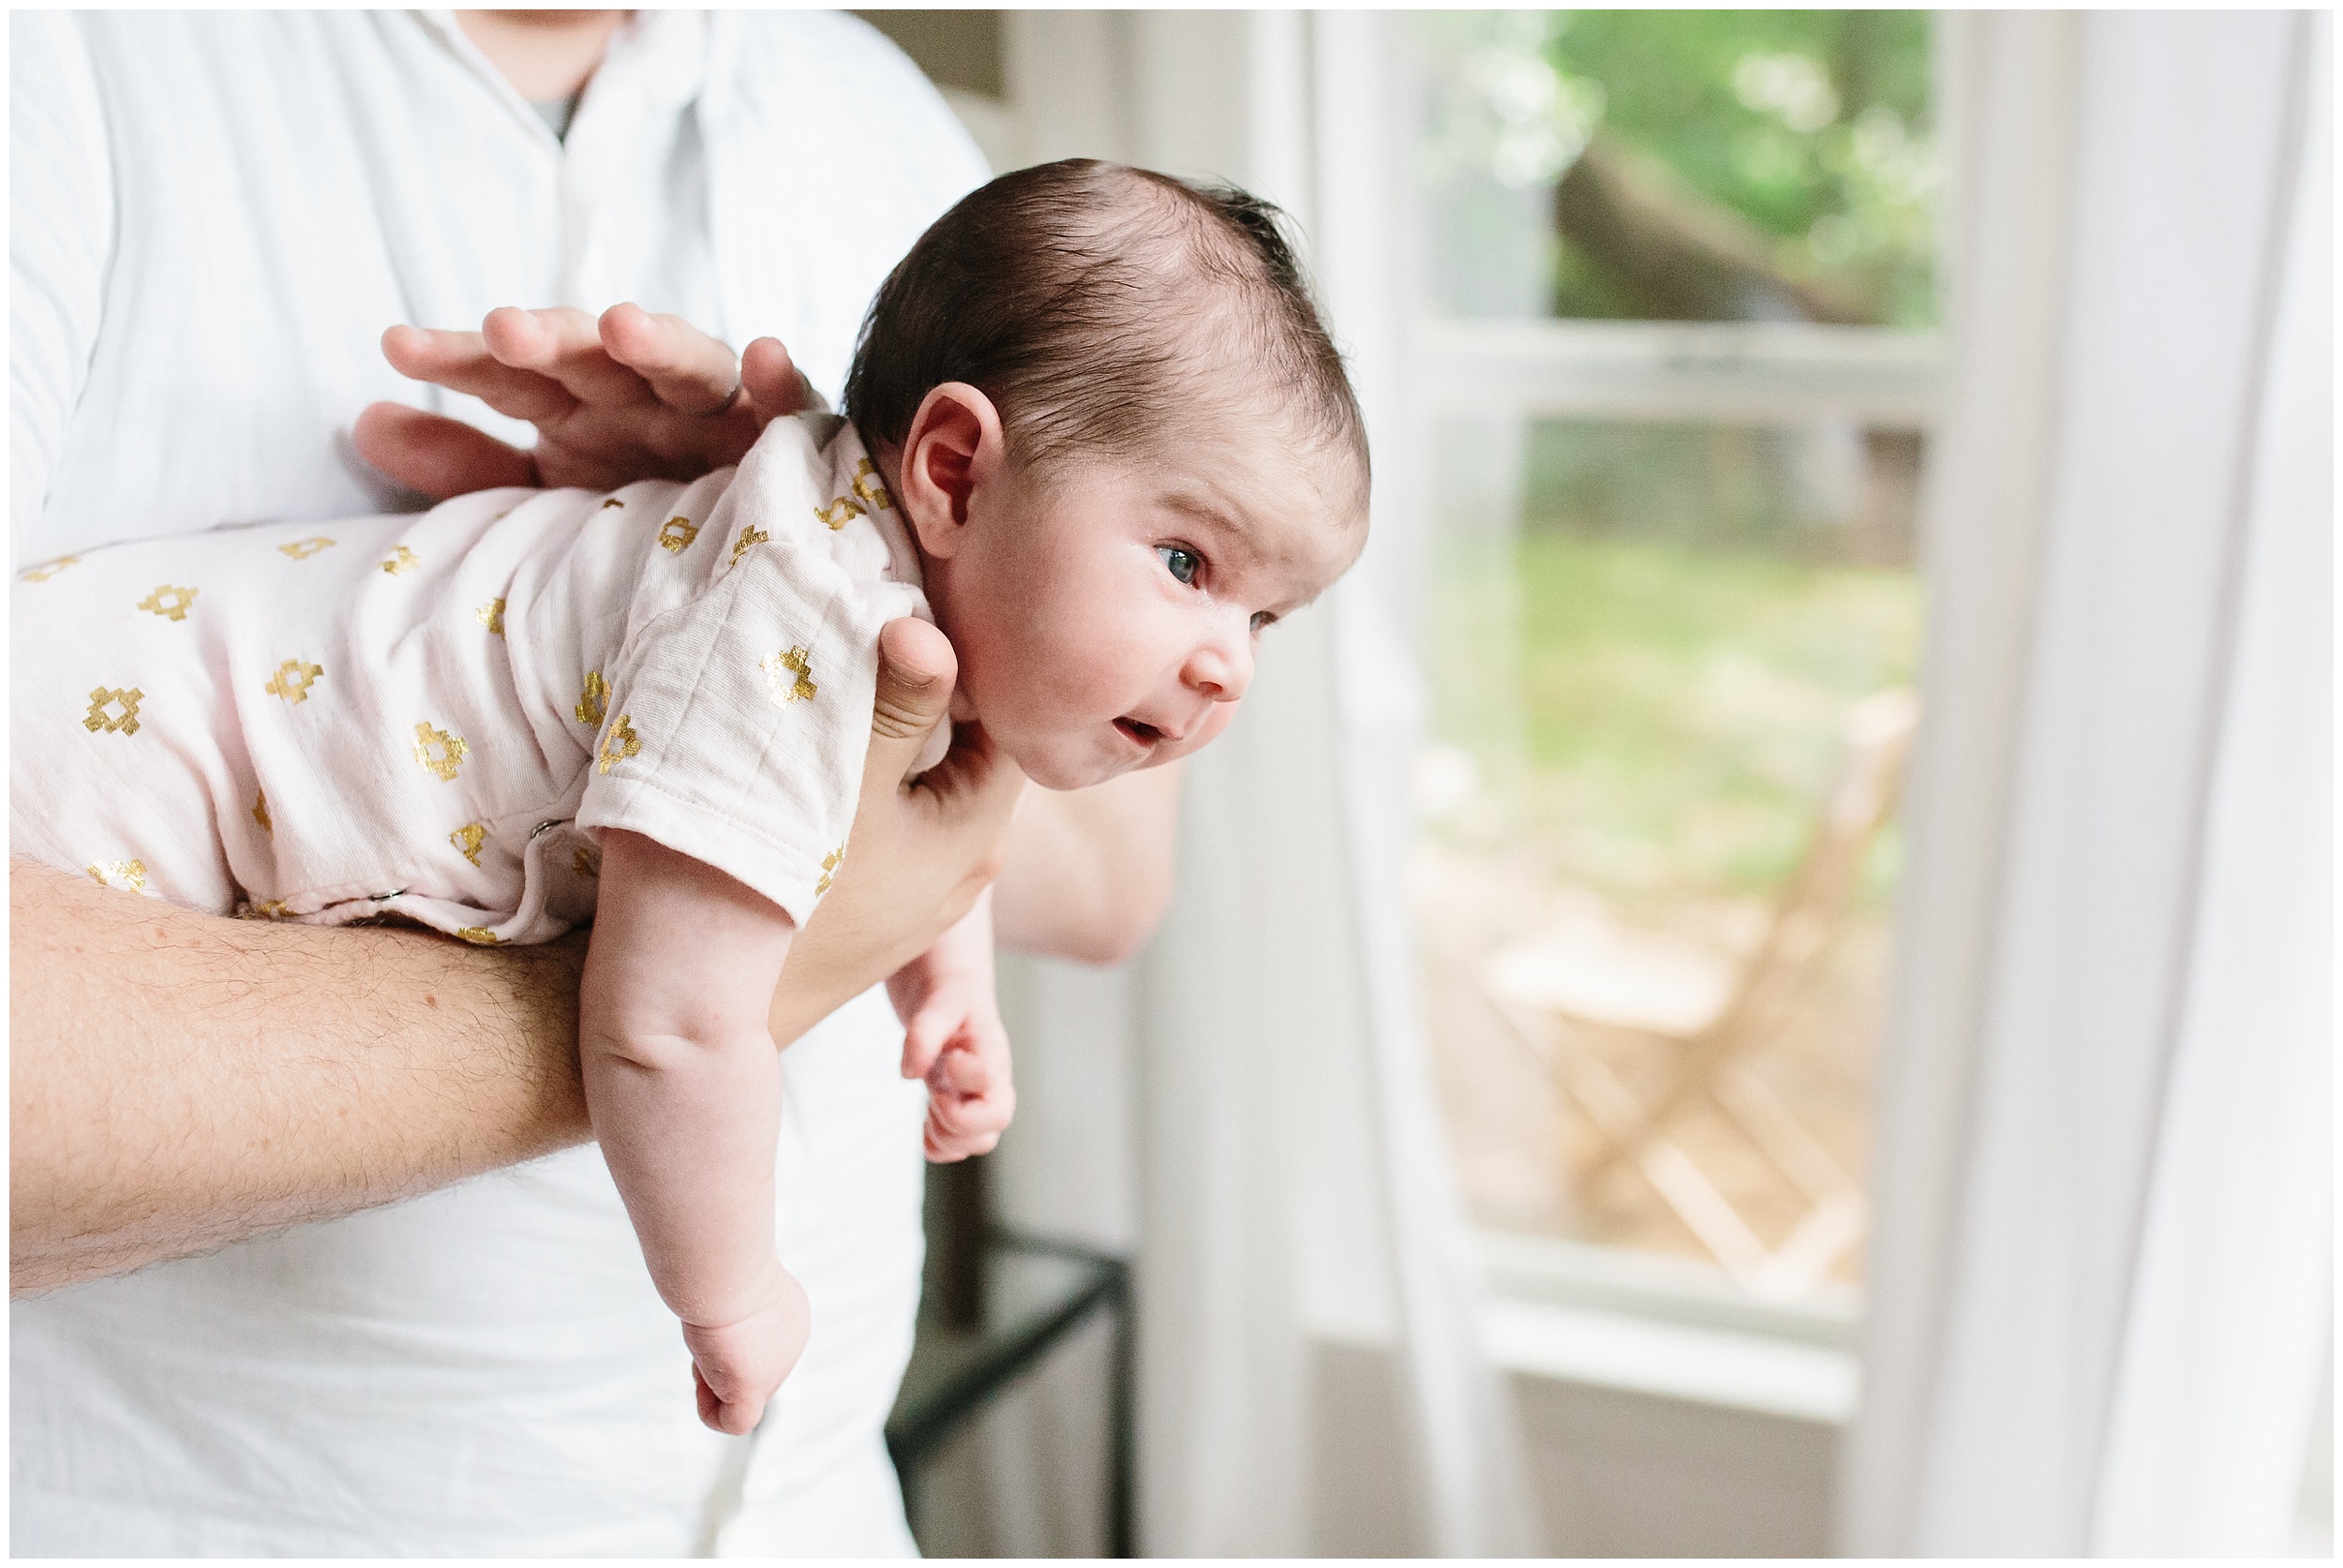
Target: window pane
(1670, 669)
(1680, 164)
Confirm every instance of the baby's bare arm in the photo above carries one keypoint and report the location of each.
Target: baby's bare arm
(682, 1077)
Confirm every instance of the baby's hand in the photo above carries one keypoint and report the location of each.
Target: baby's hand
(955, 1040)
(736, 1366)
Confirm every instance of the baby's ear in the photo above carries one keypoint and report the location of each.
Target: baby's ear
(953, 447)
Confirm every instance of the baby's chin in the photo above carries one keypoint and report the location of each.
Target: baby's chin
(1056, 763)
(1052, 772)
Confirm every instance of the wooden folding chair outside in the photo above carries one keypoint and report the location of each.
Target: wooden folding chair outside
(1712, 1053)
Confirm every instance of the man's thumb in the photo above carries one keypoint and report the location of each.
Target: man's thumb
(437, 456)
(917, 669)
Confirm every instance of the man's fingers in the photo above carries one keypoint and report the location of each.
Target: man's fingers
(460, 362)
(772, 380)
(917, 668)
(435, 455)
(688, 370)
(566, 346)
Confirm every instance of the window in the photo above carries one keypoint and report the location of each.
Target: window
(1672, 346)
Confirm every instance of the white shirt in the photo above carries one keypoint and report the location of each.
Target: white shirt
(214, 219)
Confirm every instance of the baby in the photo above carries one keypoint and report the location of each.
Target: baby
(1096, 433)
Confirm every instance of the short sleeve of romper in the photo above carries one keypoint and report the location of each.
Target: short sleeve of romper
(739, 701)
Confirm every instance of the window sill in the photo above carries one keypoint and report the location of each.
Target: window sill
(1650, 1325)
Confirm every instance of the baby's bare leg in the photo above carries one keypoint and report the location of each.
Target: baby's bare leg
(684, 1087)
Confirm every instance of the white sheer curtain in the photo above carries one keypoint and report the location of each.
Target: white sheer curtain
(2101, 1297)
(1311, 1376)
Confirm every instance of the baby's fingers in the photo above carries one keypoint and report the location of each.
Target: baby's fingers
(925, 1036)
(711, 1408)
(732, 1399)
(963, 1071)
(961, 1125)
(948, 1146)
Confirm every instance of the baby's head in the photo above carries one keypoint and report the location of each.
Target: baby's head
(1125, 445)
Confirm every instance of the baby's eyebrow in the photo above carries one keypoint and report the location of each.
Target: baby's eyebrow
(1235, 543)
(1201, 509)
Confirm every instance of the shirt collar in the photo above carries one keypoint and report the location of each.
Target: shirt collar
(659, 58)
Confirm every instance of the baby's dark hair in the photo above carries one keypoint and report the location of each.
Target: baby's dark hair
(1103, 307)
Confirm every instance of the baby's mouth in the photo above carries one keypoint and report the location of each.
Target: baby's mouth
(1142, 733)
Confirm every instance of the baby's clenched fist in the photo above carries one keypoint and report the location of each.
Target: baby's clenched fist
(957, 1042)
(735, 1366)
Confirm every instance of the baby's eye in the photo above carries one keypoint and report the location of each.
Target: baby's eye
(1182, 564)
(1262, 619)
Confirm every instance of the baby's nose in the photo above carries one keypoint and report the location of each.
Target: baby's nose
(1222, 668)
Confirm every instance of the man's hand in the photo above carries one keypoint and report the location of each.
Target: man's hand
(922, 850)
(631, 397)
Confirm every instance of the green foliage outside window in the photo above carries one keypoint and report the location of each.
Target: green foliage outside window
(1702, 164)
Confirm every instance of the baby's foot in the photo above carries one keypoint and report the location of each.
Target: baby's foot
(735, 1366)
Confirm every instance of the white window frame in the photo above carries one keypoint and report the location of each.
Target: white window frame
(1611, 1317)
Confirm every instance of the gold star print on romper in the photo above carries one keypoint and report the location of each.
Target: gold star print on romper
(129, 876)
(831, 863)
(294, 680)
(593, 703)
(468, 838)
(790, 675)
(838, 513)
(491, 615)
(259, 811)
(172, 603)
(126, 721)
(676, 532)
(749, 535)
(47, 569)
(480, 936)
(401, 559)
(266, 909)
(301, 549)
(450, 750)
(619, 743)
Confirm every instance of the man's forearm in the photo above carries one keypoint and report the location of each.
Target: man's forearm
(178, 1081)
(1088, 874)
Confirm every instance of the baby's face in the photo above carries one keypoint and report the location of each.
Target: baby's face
(1107, 615)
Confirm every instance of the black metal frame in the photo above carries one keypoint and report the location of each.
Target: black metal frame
(916, 1433)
